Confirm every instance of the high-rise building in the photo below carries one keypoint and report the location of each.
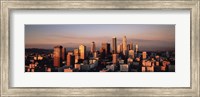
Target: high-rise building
(76, 54)
(106, 48)
(131, 53)
(136, 48)
(124, 45)
(114, 58)
(119, 48)
(63, 54)
(114, 45)
(70, 59)
(144, 55)
(131, 46)
(128, 47)
(57, 56)
(82, 51)
(95, 54)
(93, 47)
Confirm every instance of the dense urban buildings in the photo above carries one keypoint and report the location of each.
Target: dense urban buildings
(120, 57)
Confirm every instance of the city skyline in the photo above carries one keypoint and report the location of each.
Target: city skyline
(100, 48)
(149, 37)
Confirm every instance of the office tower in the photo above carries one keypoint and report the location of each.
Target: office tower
(93, 47)
(136, 48)
(82, 51)
(118, 48)
(144, 55)
(121, 47)
(95, 54)
(63, 54)
(131, 53)
(57, 56)
(124, 45)
(70, 59)
(131, 46)
(76, 54)
(128, 47)
(106, 48)
(114, 58)
(114, 45)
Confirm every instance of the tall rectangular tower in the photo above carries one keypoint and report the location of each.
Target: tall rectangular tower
(57, 56)
(114, 45)
(82, 51)
(124, 46)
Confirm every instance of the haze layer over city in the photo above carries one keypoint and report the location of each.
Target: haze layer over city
(100, 48)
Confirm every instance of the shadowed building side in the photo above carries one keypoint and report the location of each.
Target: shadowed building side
(114, 45)
(63, 53)
(70, 59)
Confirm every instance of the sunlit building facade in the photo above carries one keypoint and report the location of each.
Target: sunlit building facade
(131, 46)
(57, 54)
(76, 54)
(114, 58)
(136, 48)
(144, 55)
(82, 51)
(124, 46)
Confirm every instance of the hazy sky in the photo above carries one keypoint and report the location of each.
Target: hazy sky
(149, 37)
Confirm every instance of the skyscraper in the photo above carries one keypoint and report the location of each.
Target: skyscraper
(131, 46)
(82, 51)
(128, 47)
(93, 47)
(118, 48)
(106, 48)
(70, 59)
(76, 54)
(63, 54)
(144, 55)
(121, 47)
(95, 54)
(114, 45)
(114, 58)
(136, 48)
(124, 45)
(57, 56)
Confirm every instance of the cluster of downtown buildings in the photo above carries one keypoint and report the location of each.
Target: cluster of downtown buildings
(121, 58)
